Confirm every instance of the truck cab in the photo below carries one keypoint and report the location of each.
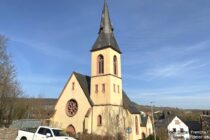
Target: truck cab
(43, 133)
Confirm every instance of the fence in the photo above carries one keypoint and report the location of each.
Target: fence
(8, 133)
(25, 123)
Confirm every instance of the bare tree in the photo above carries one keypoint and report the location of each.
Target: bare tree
(9, 86)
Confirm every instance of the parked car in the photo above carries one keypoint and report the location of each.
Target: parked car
(43, 133)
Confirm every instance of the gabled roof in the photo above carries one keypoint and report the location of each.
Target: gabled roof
(144, 120)
(176, 121)
(84, 82)
(106, 37)
(193, 125)
(128, 104)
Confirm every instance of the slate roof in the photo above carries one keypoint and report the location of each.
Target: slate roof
(144, 120)
(106, 41)
(193, 125)
(106, 37)
(105, 25)
(128, 104)
(84, 82)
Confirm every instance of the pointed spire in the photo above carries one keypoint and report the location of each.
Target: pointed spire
(105, 25)
(106, 37)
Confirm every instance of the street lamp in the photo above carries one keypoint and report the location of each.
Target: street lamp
(153, 120)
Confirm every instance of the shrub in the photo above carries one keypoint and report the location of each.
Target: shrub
(151, 137)
(84, 136)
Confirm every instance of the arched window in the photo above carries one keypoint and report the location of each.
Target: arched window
(71, 130)
(136, 123)
(117, 119)
(103, 88)
(100, 64)
(73, 85)
(96, 88)
(99, 120)
(115, 64)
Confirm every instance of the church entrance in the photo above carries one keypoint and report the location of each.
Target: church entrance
(71, 130)
(143, 136)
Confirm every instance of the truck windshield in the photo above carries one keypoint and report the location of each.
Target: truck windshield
(58, 132)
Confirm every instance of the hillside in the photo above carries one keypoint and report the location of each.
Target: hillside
(160, 112)
(165, 112)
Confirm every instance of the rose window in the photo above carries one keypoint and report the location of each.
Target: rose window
(71, 108)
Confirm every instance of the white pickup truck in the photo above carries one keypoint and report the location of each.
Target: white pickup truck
(43, 133)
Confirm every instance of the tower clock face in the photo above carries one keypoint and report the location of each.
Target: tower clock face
(71, 108)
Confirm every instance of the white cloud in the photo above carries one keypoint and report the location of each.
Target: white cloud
(50, 50)
(179, 90)
(41, 79)
(176, 69)
(199, 100)
(183, 97)
(47, 86)
(169, 70)
(150, 54)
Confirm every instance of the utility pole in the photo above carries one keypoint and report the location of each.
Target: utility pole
(153, 120)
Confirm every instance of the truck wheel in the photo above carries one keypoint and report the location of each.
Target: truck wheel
(23, 138)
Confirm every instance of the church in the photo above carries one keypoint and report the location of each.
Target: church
(97, 104)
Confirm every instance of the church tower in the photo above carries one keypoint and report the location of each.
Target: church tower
(106, 81)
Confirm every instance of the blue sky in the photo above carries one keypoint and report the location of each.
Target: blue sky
(165, 45)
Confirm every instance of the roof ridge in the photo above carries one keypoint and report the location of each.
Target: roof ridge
(84, 82)
(74, 72)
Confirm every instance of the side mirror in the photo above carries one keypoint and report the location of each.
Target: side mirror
(48, 135)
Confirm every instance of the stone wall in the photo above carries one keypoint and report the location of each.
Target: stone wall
(8, 133)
